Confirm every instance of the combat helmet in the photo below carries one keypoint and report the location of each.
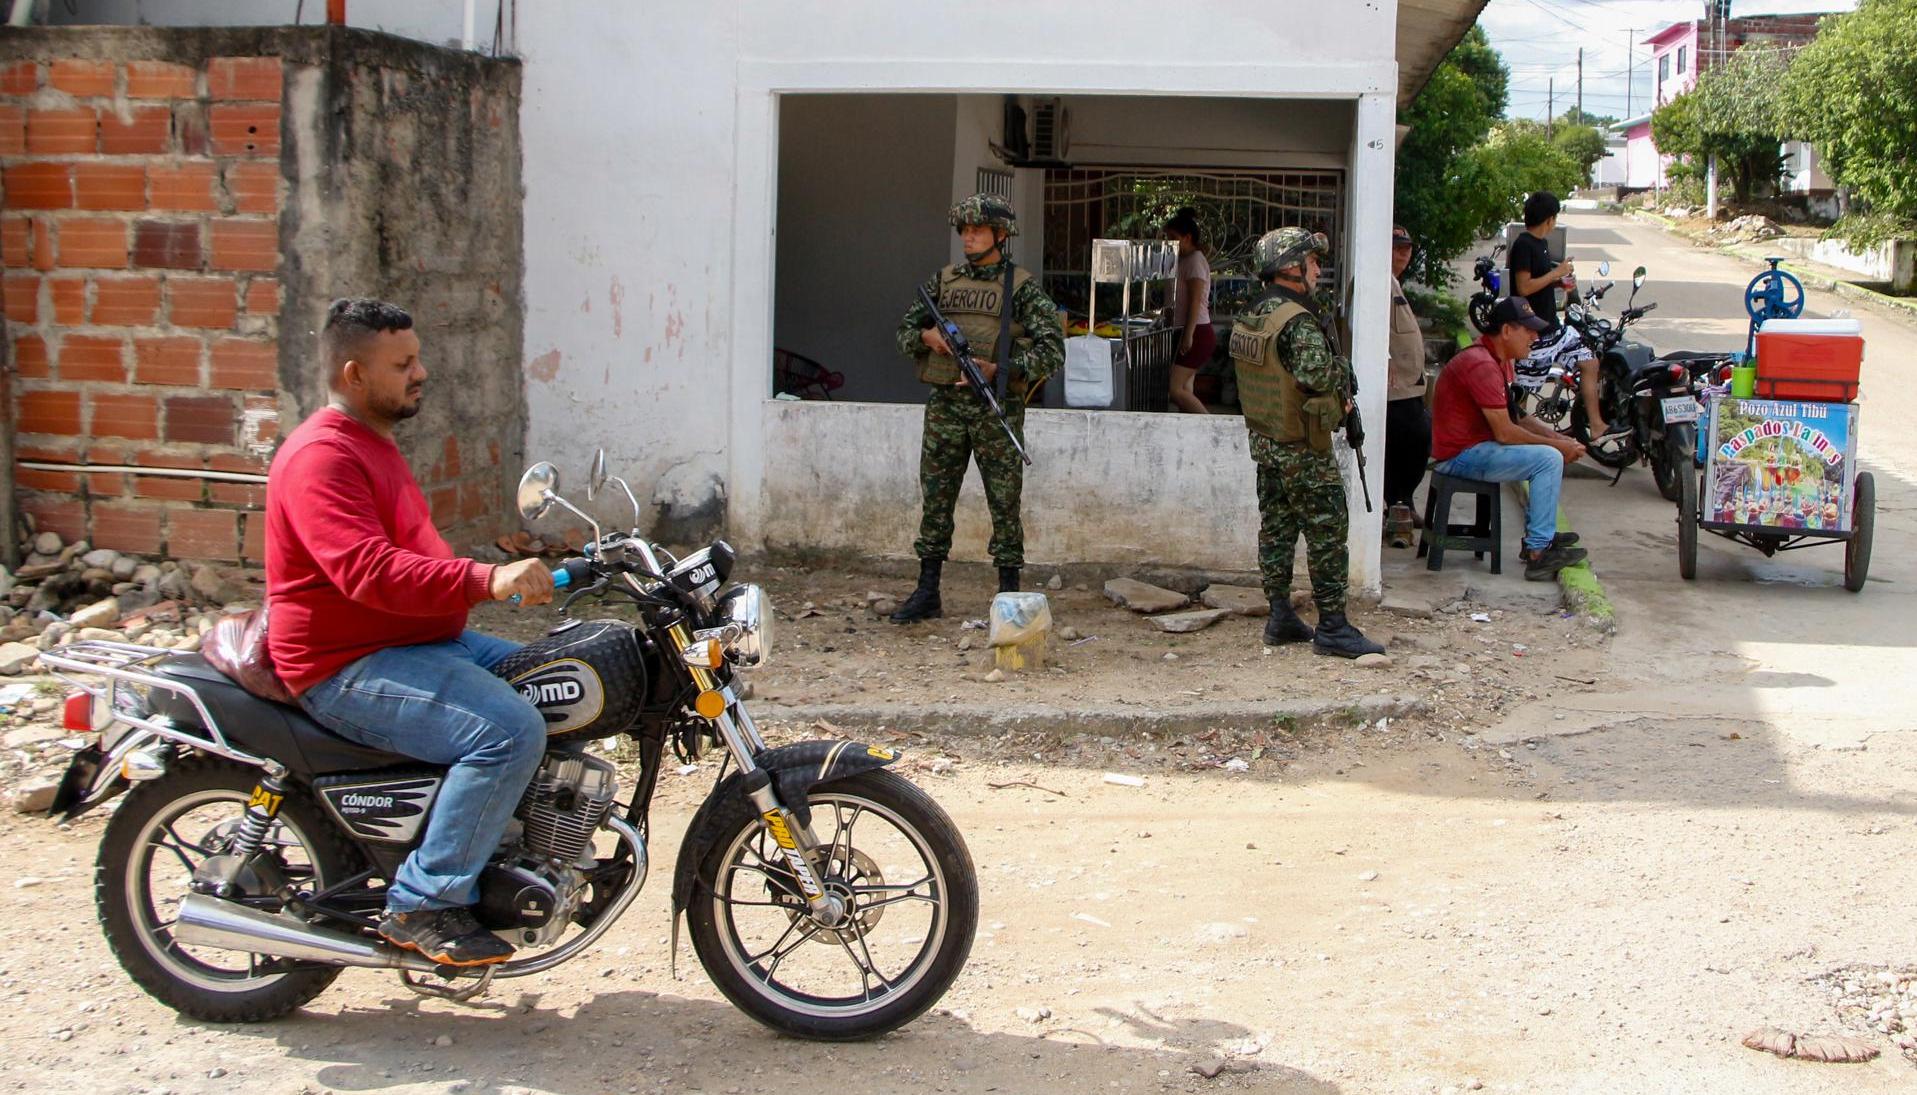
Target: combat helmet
(1282, 247)
(985, 209)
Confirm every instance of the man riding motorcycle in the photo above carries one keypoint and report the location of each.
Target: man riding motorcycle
(368, 626)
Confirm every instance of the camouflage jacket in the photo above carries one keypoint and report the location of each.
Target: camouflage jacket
(1040, 358)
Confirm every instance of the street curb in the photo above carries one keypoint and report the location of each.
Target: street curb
(1903, 308)
(983, 719)
(1579, 589)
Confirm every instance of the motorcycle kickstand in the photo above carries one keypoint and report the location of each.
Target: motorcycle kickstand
(454, 992)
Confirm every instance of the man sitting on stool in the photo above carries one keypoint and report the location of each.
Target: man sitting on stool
(1477, 435)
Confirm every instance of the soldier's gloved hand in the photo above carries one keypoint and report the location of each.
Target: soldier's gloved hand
(986, 369)
(935, 341)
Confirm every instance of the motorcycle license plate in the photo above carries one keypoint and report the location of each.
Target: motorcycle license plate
(1680, 409)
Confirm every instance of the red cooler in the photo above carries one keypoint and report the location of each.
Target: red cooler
(1814, 360)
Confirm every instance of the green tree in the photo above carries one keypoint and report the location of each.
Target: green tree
(1583, 144)
(1736, 113)
(1441, 196)
(1853, 93)
(1515, 161)
(1574, 116)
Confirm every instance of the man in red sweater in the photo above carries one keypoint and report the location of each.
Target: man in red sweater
(1476, 435)
(369, 626)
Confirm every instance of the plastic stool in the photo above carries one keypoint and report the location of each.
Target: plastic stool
(1485, 534)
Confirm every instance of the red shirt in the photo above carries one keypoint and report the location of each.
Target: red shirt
(353, 563)
(1469, 383)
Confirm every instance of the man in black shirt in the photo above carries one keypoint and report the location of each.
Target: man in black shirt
(1535, 277)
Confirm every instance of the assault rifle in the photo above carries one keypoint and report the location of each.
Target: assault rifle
(1355, 437)
(962, 353)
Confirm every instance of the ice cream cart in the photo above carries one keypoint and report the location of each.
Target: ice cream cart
(1779, 464)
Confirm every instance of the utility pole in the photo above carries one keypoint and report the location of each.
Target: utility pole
(1630, 69)
(1550, 106)
(1581, 85)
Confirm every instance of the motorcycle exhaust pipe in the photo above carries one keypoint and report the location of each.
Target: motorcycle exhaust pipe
(209, 922)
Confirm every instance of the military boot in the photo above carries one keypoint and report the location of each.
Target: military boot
(1336, 636)
(1008, 579)
(1284, 625)
(923, 604)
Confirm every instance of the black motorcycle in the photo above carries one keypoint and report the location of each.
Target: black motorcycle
(826, 896)
(1654, 396)
(1490, 288)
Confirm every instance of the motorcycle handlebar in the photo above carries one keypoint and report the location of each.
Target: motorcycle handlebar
(564, 575)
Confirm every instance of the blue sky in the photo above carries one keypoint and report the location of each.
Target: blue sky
(1540, 38)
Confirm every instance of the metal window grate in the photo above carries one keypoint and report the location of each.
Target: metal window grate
(995, 182)
(1236, 207)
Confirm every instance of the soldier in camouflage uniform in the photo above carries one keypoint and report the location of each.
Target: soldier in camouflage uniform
(958, 424)
(1295, 390)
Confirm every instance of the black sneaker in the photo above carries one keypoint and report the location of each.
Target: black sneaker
(1542, 565)
(450, 937)
(1564, 539)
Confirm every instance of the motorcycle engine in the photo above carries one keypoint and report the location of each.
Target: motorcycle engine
(533, 892)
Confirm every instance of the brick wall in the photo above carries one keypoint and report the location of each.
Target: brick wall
(177, 208)
(140, 238)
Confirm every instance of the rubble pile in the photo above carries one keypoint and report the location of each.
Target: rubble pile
(1746, 229)
(64, 593)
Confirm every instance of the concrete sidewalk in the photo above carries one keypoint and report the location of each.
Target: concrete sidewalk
(1464, 577)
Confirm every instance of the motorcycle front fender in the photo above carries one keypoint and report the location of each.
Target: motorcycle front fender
(795, 770)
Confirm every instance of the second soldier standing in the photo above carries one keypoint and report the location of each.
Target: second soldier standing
(1014, 332)
(1295, 392)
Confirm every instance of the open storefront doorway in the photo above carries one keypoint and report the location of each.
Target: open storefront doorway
(864, 181)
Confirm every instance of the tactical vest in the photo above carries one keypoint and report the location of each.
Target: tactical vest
(974, 305)
(1267, 392)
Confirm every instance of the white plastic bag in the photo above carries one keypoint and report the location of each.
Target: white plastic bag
(1018, 618)
(1088, 371)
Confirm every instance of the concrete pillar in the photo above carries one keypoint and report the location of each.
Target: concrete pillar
(1368, 240)
(1710, 190)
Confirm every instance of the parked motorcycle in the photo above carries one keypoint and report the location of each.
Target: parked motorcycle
(1653, 396)
(826, 896)
(1490, 288)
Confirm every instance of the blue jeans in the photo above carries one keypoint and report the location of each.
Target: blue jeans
(440, 703)
(1539, 465)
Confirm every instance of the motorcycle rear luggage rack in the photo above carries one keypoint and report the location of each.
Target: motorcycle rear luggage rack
(130, 664)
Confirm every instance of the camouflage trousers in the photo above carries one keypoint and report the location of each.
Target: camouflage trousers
(960, 427)
(1300, 492)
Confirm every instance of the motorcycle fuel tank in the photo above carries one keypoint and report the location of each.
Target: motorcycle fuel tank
(588, 678)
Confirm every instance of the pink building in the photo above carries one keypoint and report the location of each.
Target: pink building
(1681, 51)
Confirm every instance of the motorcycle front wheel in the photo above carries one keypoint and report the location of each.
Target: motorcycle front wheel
(162, 833)
(911, 896)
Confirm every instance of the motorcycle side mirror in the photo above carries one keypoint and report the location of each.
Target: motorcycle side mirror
(538, 490)
(1637, 279)
(1604, 269)
(596, 478)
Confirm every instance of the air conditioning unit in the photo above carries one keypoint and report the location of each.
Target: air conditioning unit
(1051, 131)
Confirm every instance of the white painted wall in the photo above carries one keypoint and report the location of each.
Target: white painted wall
(651, 167)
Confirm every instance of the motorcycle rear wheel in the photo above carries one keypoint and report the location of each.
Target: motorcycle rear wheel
(162, 828)
(1672, 461)
(746, 897)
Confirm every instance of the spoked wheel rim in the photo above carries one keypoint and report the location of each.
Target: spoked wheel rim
(881, 865)
(168, 848)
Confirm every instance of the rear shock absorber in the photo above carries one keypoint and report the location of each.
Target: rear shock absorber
(262, 809)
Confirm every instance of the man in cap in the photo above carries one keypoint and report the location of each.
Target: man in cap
(1476, 435)
(1295, 392)
(1014, 333)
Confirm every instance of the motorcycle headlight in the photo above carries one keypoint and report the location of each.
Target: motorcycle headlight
(748, 616)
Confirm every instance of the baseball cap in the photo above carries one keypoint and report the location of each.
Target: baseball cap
(1400, 238)
(1516, 310)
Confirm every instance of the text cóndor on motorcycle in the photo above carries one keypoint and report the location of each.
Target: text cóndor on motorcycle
(826, 896)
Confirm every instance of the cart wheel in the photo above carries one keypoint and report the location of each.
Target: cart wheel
(1863, 518)
(1687, 524)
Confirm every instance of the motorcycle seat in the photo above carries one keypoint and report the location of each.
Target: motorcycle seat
(1698, 355)
(284, 733)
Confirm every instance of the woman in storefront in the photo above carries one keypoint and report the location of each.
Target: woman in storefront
(1191, 309)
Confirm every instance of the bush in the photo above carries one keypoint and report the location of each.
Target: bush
(1850, 92)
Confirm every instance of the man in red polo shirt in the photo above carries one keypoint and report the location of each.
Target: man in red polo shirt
(1475, 435)
(369, 626)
